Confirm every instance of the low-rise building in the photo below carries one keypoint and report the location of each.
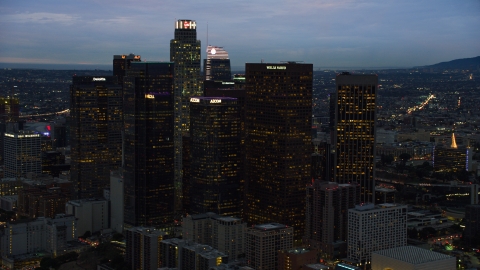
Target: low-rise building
(411, 258)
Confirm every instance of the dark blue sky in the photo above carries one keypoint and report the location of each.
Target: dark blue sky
(333, 33)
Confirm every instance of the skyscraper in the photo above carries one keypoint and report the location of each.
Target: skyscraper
(185, 53)
(148, 155)
(95, 130)
(9, 115)
(216, 176)
(354, 132)
(22, 153)
(278, 109)
(121, 63)
(217, 65)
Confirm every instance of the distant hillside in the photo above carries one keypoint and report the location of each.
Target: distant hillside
(465, 63)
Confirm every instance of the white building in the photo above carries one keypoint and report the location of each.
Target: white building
(411, 258)
(40, 235)
(372, 228)
(116, 201)
(92, 214)
(263, 243)
(22, 153)
(226, 234)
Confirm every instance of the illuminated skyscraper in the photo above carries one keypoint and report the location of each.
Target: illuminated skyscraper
(95, 130)
(148, 155)
(121, 63)
(185, 53)
(217, 65)
(354, 132)
(278, 109)
(216, 176)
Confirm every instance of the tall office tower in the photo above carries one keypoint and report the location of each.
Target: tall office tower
(148, 149)
(262, 243)
(354, 132)
(143, 248)
(278, 116)
(9, 114)
(185, 53)
(217, 65)
(372, 228)
(121, 63)
(326, 219)
(23, 153)
(96, 133)
(215, 175)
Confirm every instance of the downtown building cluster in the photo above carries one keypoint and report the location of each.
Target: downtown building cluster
(219, 172)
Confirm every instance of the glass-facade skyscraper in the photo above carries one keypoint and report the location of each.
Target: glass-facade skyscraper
(216, 176)
(185, 53)
(149, 144)
(217, 65)
(278, 110)
(354, 132)
(95, 129)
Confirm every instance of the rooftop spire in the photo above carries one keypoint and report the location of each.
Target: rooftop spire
(454, 143)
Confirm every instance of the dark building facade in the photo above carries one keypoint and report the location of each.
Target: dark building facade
(121, 63)
(278, 116)
(216, 176)
(354, 132)
(217, 65)
(185, 53)
(326, 218)
(9, 115)
(96, 120)
(148, 147)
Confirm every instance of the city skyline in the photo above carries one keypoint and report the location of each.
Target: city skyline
(325, 33)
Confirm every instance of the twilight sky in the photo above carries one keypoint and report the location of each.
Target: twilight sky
(327, 33)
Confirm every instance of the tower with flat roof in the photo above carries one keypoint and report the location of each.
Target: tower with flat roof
(96, 113)
(149, 144)
(278, 116)
(215, 171)
(354, 132)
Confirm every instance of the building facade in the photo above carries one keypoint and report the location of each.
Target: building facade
(326, 216)
(96, 115)
(372, 228)
(22, 151)
(92, 215)
(278, 109)
(263, 243)
(185, 53)
(149, 144)
(224, 233)
(143, 248)
(354, 132)
(215, 167)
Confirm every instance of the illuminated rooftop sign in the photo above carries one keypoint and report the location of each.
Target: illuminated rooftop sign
(215, 101)
(196, 100)
(276, 67)
(99, 79)
(185, 24)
